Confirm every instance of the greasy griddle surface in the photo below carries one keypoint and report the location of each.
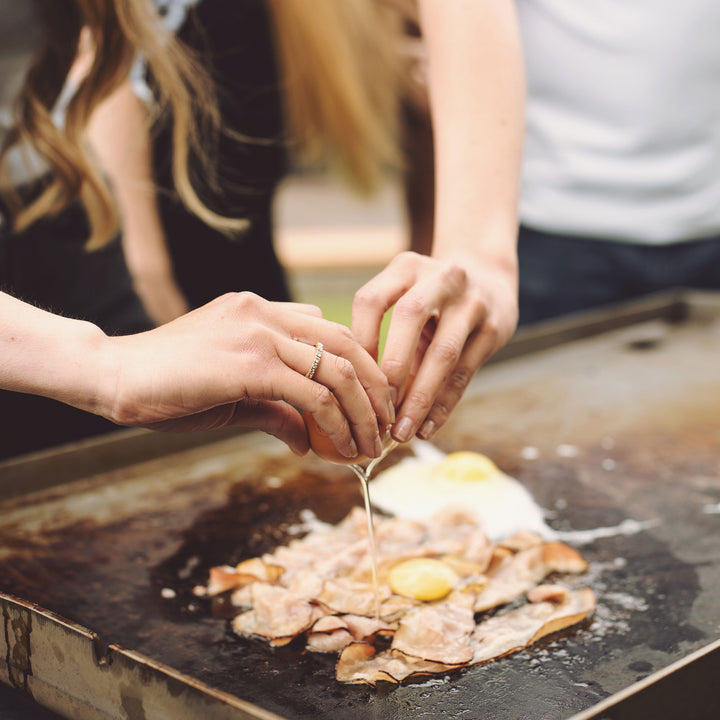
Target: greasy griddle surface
(646, 399)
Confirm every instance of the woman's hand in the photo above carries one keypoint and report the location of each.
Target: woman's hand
(241, 360)
(449, 318)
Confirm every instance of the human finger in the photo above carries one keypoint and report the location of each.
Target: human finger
(333, 395)
(377, 296)
(338, 340)
(437, 365)
(303, 308)
(413, 314)
(477, 351)
(276, 418)
(338, 374)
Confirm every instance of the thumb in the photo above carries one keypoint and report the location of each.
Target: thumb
(276, 418)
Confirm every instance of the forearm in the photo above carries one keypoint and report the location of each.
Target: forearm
(120, 137)
(476, 85)
(53, 356)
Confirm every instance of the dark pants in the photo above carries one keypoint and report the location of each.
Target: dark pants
(562, 274)
(48, 266)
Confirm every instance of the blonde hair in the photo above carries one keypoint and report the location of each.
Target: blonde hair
(119, 29)
(341, 74)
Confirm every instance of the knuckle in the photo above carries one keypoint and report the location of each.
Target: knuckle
(454, 275)
(392, 367)
(346, 337)
(441, 411)
(125, 414)
(459, 379)
(278, 425)
(408, 257)
(323, 397)
(242, 302)
(366, 297)
(256, 340)
(491, 328)
(306, 309)
(410, 307)
(419, 399)
(345, 369)
(477, 306)
(447, 351)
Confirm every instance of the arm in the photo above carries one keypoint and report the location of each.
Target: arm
(119, 135)
(239, 360)
(453, 310)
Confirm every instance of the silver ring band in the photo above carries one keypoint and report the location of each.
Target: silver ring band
(316, 361)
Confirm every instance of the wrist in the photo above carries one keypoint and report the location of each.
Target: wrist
(84, 369)
(55, 357)
(500, 261)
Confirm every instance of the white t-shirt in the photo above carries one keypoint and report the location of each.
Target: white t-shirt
(623, 118)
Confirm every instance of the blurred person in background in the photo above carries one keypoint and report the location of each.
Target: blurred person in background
(620, 193)
(621, 179)
(75, 343)
(315, 84)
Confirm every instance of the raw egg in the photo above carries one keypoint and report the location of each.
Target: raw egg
(422, 579)
(322, 445)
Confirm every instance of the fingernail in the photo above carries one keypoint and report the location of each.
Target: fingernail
(391, 412)
(427, 430)
(378, 446)
(403, 430)
(353, 452)
(393, 396)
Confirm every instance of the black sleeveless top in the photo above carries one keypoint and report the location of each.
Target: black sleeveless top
(47, 265)
(234, 38)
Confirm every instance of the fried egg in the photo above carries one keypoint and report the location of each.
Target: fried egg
(418, 487)
(422, 579)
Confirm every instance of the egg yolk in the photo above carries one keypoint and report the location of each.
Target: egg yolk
(465, 467)
(422, 579)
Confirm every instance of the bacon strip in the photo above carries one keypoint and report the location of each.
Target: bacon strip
(516, 574)
(494, 638)
(516, 629)
(318, 587)
(277, 615)
(439, 632)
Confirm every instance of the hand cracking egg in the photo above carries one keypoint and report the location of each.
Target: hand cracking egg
(417, 488)
(323, 446)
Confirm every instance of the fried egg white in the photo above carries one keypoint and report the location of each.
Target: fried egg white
(418, 487)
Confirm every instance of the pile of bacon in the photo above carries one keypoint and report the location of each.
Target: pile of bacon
(321, 587)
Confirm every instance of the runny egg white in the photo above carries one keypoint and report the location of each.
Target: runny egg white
(418, 487)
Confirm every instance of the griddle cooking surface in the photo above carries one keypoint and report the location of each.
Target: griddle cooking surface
(642, 423)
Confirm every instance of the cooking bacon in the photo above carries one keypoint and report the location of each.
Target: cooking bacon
(493, 638)
(439, 632)
(319, 588)
(277, 615)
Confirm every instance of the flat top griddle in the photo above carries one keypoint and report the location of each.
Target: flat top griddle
(624, 426)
